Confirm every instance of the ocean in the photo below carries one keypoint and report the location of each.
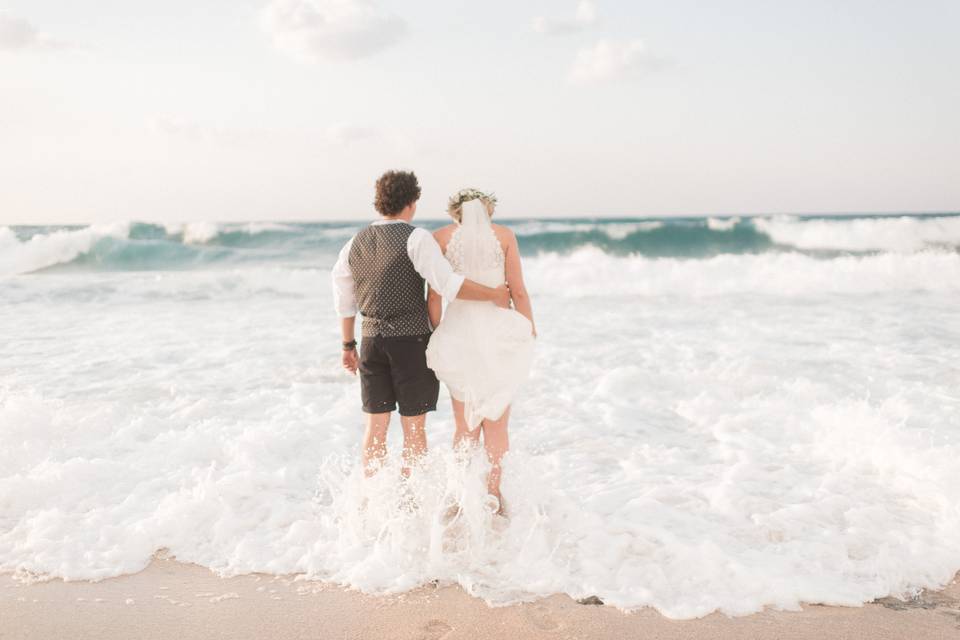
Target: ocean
(725, 414)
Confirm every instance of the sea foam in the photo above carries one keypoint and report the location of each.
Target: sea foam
(134, 246)
(57, 247)
(729, 433)
(902, 234)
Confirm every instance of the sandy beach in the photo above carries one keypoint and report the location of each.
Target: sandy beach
(170, 599)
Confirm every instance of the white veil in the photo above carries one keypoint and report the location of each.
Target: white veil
(479, 242)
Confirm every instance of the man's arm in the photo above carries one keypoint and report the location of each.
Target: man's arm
(345, 304)
(349, 358)
(344, 297)
(429, 262)
(471, 290)
(434, 307)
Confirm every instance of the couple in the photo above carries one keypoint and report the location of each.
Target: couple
(482, 347)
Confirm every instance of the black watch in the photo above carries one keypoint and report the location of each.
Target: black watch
(350, 346)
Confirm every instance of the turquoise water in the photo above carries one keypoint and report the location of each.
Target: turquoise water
(139, 246)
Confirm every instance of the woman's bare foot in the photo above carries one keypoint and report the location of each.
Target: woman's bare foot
(451, 511)
(495, 505)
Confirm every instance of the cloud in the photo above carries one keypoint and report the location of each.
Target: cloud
(206, 133)
(16, 34)
(608, 60)
(340, 134)
(314, 30)
(585, 18)
(215, 135)
(179, 128)
(346, 132)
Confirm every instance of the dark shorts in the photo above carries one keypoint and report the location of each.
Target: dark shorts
(393, 371)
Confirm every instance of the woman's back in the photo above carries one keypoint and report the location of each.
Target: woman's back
(481, 259)
(481, 352)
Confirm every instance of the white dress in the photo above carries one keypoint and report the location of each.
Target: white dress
(480, 351)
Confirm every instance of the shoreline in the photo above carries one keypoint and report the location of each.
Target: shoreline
(169, 598)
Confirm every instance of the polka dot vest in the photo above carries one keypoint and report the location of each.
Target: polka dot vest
(390, 293)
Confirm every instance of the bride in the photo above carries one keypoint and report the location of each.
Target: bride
(480, 351)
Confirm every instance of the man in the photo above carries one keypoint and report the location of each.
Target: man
(381, 272)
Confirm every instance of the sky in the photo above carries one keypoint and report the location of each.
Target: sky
(290, 109)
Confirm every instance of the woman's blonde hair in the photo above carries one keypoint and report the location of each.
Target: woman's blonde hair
(455, 204)
(456, 210)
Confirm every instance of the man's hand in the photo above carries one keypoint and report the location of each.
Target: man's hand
(502, 297)
(350, 360)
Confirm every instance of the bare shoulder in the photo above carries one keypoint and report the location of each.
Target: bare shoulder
(504, 234)
(442, 235)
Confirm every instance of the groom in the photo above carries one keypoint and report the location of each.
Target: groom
(381, 272)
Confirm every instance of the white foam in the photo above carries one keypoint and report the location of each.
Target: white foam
(697, 435)
(544, 226)
(200, 232)
(616, 231)
(192, 232)
(58, 247)
(722, 224)
(591, 272)
(204, 232)
(173, 228)
(254, 228)
(901, 234)
(621, 231)
(586, 273)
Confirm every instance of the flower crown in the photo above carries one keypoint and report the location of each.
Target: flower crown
(466, 195)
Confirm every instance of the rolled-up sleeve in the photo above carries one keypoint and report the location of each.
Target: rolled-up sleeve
(429, 262)
(344, 298)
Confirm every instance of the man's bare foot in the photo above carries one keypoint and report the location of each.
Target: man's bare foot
(407, 500)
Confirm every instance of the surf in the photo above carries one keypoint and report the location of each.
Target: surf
(142, 246)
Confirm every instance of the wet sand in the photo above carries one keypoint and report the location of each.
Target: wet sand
(170, 599)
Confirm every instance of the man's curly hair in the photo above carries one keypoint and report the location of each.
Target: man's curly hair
(396, 190)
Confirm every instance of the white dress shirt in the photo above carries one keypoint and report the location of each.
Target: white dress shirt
(427, 259)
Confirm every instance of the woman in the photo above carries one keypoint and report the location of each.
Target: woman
(480, 351)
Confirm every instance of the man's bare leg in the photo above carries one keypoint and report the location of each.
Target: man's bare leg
(375, 442)
(414, 440)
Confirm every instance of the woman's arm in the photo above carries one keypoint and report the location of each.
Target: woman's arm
(434, 307)
(514, 273)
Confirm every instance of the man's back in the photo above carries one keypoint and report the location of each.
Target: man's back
(389, 292)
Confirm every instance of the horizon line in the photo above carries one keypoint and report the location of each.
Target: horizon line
(806, 214)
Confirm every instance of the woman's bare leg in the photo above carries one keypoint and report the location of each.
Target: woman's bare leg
(463, 438)
(497, 442)
(463, 435)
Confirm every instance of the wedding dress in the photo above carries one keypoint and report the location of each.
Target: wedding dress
(480, 351)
